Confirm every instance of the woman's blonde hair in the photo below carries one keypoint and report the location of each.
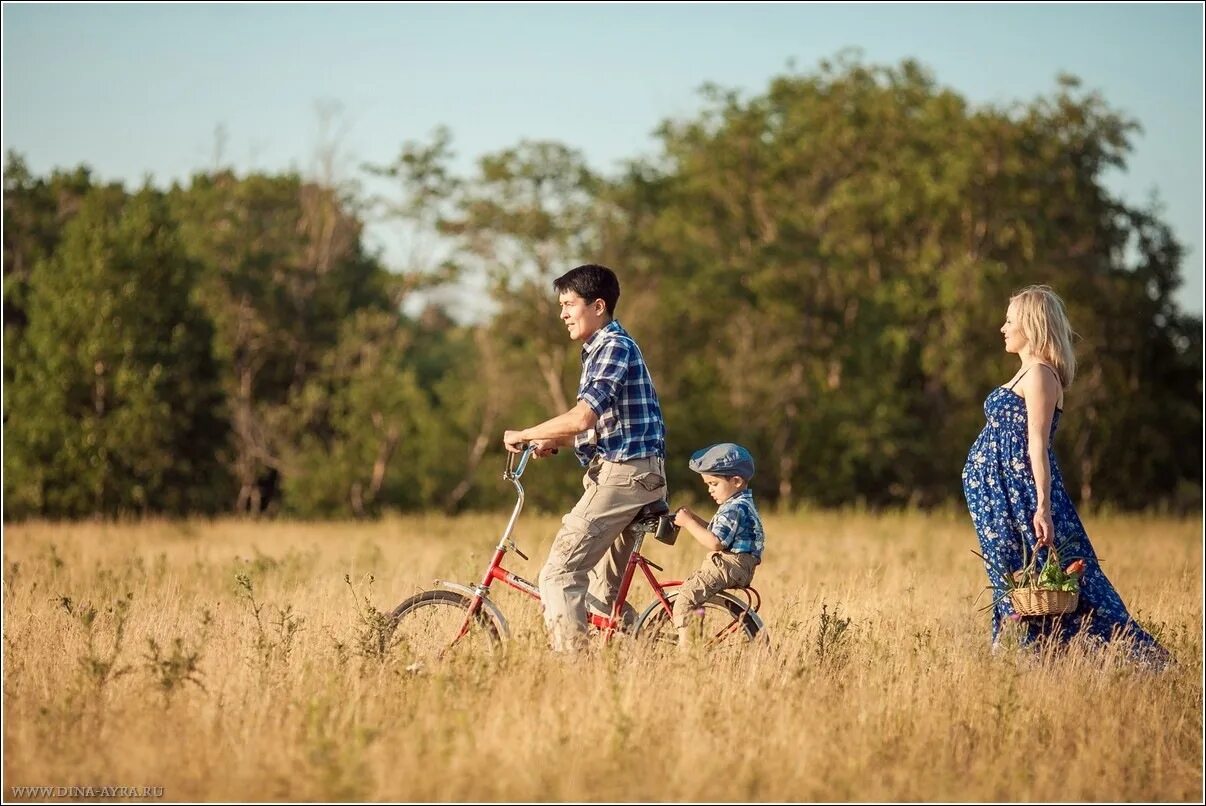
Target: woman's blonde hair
(1044, 322)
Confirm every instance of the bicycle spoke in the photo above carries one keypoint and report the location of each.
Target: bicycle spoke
(436, 625)
(718, 626)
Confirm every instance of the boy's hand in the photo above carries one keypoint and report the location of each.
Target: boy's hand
(683, 516)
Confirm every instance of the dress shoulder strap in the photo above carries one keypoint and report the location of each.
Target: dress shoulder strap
(1053, 372)
(1040, 364)
(1019, 378)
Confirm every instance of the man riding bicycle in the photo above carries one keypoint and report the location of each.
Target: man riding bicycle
(618, 434)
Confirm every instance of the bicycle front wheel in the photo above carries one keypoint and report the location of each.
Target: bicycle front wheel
(436, 624)
(719, 625)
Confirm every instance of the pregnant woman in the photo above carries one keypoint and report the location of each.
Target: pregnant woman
(1014, 488)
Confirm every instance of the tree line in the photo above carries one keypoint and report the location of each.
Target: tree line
(817, 271)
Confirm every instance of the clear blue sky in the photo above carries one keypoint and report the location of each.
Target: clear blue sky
(138, 90)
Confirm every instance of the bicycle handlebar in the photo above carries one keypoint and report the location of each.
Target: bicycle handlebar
(515, 468)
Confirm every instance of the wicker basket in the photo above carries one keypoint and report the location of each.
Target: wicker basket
(1042, 602)
(1035, 601)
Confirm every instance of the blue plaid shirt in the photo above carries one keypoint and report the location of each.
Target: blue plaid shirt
(737, 525)
(616, 385)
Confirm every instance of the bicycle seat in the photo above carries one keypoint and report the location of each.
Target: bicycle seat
(653, 510)
(655, 519)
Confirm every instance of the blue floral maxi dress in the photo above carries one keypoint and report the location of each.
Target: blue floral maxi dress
(1000, 491)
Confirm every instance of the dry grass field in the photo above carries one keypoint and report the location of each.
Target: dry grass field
(233, 661)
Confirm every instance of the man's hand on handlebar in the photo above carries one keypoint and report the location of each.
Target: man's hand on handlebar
(515, 443)
(544, 447)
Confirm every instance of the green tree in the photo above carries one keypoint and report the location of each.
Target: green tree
(115, 405)
(283, 266)
(359, 417)
(831, 260)
(35, 213)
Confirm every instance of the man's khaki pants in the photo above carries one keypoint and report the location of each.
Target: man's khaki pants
(592, 548)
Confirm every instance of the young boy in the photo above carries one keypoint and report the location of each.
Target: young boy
(734, 538)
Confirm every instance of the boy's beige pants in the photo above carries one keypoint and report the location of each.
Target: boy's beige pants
(719, 570)
(590, 551)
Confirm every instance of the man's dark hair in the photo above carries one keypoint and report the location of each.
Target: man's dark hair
(591, 282)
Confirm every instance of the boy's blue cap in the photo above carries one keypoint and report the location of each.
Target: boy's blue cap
(725, 459)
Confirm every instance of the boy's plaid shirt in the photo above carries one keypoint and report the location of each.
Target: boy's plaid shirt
(737, 525)
(616, 385)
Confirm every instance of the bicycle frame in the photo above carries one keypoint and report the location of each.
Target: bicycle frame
(607, 625)
(480, 593)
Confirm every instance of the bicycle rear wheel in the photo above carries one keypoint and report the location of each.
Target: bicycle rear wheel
(719, 625)
(436, 625)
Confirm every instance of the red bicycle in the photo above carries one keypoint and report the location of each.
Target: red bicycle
(459, 617)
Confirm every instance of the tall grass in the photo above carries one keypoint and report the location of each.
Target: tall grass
(236, 660)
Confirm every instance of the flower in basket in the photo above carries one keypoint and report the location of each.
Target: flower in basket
(1054, 578)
